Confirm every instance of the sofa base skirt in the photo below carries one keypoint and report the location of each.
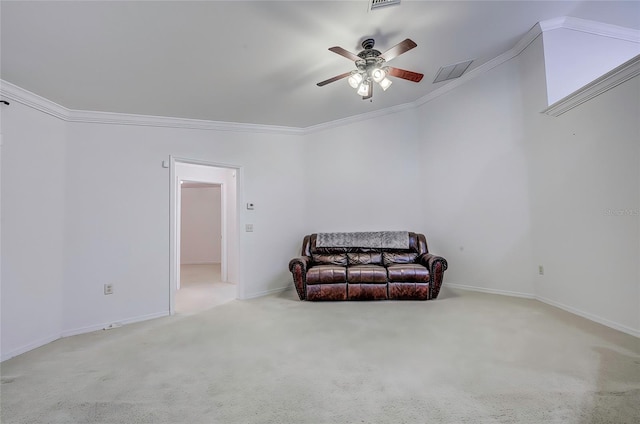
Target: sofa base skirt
(336, 291)
(367, 291)
(409, 291)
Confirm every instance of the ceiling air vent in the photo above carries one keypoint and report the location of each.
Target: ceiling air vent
(452, 71)
(376, 4)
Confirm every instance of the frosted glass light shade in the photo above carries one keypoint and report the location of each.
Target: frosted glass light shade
(378, 74)
(363, 89)
(385, 83)
(355, 80)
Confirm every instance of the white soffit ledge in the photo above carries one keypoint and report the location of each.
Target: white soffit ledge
(616, 76)
(27, 98)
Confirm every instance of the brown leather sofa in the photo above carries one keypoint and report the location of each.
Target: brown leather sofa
(367, 273)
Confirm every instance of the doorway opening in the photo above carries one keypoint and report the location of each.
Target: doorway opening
(201, 285)
(204, 236)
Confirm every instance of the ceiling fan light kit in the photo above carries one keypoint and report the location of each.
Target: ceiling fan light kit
(355, 79)
(370, 64)
(378, 74)
(385, 83)
(364, 88)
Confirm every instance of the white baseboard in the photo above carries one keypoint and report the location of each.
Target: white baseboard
(265, 292)
(575, 311)
(33, 345)
(113, 324)
(490, 291)
(82, 330)
(591, 317)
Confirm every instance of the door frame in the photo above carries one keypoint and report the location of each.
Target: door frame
(174, 225)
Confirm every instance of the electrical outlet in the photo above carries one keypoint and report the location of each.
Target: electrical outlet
(248, 228)
(108, 289)
(540, 270)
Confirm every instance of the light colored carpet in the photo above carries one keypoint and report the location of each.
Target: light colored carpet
(201, 288)
(464, 358)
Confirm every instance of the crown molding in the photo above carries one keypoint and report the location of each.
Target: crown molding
(42, 104)
(357, 118)
(27, 98)
(591, 27)
(606, 82)
(169, 122)
(32, 100)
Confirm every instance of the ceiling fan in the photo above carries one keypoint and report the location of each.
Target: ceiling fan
(370, 64)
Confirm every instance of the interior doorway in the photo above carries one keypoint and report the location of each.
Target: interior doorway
(204, 236)
(201, 283)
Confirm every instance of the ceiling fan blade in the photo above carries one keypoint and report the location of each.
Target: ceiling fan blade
(336, 78)
(404, 74)
(398, 49)
(345, 53)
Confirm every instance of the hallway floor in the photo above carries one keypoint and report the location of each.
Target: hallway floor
(202, 288)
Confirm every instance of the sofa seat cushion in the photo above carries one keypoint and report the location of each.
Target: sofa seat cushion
(370, 274)
(406, 273)
(326, 274)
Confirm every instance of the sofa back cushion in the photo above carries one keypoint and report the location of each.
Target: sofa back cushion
(370, 258)
(339, 259)
(399, 257)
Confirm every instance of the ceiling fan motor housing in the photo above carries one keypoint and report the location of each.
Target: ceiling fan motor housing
(368, 43)
(369, 57)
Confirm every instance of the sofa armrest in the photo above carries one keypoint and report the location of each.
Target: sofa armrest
(298, 267)
(436, 265)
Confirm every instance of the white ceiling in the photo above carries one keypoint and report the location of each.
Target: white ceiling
(254, 61)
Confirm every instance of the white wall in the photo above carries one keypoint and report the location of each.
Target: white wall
(118, 197)
(201, 226)
(583, 168)
(575, 58)
(474, 176)
(88, 204)
(33, 222)
(365, 177)
(517, 189)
